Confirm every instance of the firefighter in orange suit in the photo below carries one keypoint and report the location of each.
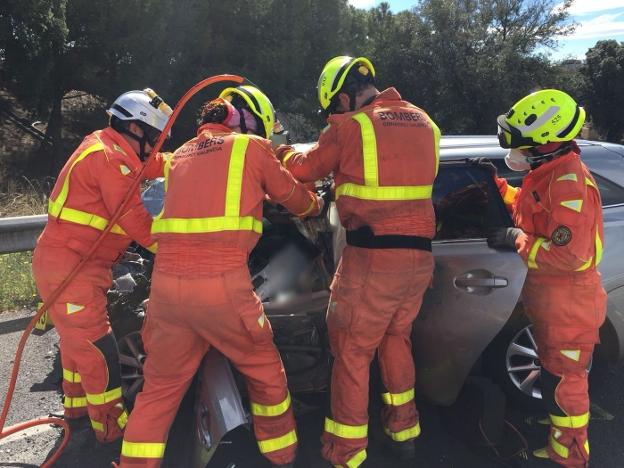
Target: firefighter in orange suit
(559, 233)
(383, 152)
(89, 189)
(201, 292)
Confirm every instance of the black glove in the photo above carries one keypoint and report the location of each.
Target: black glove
(485, 163)
(503, 238)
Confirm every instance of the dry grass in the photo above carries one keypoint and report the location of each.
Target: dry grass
(17, 287)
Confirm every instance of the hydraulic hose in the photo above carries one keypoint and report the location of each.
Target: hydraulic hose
(238, 80)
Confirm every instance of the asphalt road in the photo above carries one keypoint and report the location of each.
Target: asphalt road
(444, 442)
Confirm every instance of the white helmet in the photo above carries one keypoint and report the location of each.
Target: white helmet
(145, 106)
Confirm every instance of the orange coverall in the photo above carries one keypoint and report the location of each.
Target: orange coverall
(384, 157)
(560, 211)
(202, 294)
(89, 189)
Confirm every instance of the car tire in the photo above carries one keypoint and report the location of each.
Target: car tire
(511, 360)
(127, 331)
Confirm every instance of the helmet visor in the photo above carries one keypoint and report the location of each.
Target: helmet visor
(504, 132)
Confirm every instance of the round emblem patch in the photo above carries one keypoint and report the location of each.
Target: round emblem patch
(561, 236)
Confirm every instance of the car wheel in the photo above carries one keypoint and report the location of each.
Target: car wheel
(132, 355)
(512, 361)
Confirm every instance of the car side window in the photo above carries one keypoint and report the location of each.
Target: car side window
(611, 193)
(467, 202)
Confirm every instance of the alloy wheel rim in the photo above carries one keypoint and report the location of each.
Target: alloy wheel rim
(131, 359)
(522, 363)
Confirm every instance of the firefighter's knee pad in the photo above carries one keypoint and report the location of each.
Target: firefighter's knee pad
(107, 345)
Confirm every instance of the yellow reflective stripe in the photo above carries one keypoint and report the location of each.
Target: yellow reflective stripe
(57, 204)
(153, 248)
(510, 195)
(101, 398)
(576, 205)
(287, 156)
(96, 425)
(271, 445)
(573, 422)
(407, 434)
(203, 225)
(598, 248)
(122, 420)
(345, 431)
(74, 402)
(271, 410)
(571, 176)
(388, 193)
(589, 182)
(82, 217)
(586, 265)
(398, 399)
(533, 252)
(142, 449)
(586, 446)
(558, 448)
(356, 460)
(369, 150)
(235, 176)
(73, 377)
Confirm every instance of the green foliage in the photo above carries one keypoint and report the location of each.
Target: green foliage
(604, 74)
(464, 61)
(17, 288)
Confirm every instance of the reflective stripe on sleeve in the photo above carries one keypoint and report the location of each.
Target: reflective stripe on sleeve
(574, 205)
(106, 397)
(598, 248)
(278, 443)
(345, 431)
(406, 434)
(573, 422)
(531, 260)
(72, 377)
(571, 177)
(398, 399)
(271, 410)
(142, 449)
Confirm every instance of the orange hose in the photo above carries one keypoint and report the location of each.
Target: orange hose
(22, 343)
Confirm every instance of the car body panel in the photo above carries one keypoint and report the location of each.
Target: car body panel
(474, 292)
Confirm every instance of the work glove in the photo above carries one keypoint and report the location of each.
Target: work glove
(282, 150)
(485, 163)
(503, 238)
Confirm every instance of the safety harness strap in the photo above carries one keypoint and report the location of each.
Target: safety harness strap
(366, 239)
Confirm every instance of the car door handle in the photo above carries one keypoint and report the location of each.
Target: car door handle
(473, 281)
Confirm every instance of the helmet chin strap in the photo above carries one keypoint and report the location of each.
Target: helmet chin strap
(537, 159)
(141, 140)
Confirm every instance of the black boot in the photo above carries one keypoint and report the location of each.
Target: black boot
(401, 450)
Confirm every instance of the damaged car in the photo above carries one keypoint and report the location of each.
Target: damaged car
(471, 321)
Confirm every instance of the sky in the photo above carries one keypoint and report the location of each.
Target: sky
(596, 19)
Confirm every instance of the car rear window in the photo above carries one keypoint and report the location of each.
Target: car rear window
(466, 202)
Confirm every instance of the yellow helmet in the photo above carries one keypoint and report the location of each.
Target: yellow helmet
(334, 74)
(259, 104)
(546, 116)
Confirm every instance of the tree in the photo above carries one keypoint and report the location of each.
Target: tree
(604, 74)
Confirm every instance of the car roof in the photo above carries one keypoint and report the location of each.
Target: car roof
(467, 146)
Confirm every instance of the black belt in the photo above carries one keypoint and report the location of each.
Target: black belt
(365, 237)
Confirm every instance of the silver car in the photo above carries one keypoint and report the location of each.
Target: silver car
(471, 321)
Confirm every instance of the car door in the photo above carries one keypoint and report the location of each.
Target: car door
(474, 288)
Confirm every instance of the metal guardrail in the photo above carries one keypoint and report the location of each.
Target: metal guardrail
(20, 234)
